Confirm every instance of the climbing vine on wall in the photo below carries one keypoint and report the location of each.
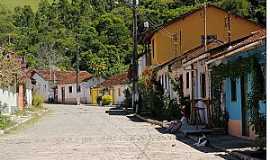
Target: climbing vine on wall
(236, 69)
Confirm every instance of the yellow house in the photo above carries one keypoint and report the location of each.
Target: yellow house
(114, 86)
(189, 31)
(178, 50)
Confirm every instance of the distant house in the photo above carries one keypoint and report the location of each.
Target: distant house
(60, 86)
(114, 86)
(95, 91)
(67, 92)
(45, 81)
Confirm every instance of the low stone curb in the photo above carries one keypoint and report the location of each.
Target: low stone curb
(2, 132)
(150, 120)
(234, 153)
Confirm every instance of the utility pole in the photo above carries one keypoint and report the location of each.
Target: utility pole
(134, 55)
(205, 26)
(77, 76)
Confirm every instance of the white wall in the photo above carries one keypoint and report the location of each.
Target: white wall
(42, 87)
(119, 98)
(71, 97)
(28, 92)
(141, 65)
(29, 97)
(9, 97)
(164, 76)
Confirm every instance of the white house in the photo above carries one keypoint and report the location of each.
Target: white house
(67, 90)
(60, 86)
(42, 84)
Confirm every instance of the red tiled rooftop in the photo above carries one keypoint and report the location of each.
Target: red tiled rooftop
(63, 77)
(118, 79)
(253, 37)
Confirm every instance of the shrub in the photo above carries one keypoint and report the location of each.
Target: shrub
(37, 101)
(172, 110)
(5, 122)
(106, 100)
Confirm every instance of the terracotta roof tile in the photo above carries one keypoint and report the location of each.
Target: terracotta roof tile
(118, 79)
(63, 77)
(253, 37)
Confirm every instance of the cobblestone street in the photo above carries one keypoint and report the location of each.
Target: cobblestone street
(86, 132)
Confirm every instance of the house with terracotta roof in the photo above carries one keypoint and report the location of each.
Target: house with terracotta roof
(198, 30)
(60, 86)
(181, 48)
(114, 86)
(67, 90)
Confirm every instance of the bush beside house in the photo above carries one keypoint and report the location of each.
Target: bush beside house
(37, 101)
(5, 122)
(106, 100)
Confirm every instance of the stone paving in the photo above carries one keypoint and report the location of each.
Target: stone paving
(88, 133)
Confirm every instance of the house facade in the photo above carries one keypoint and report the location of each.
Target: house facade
(179, 49)
(60, 86)
(94, 90)
(67, 93)
(188, 31)
(42, 86)
(236, 89)
(182, 51)
(114, 86)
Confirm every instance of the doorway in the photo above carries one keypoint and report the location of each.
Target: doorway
(244, 107)
(63, 94)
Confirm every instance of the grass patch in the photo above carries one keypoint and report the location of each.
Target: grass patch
(5, 122)
(35, 118)
(21, 113)
(11, 4)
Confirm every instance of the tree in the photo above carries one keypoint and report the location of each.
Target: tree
(101, 30)
(9, 69)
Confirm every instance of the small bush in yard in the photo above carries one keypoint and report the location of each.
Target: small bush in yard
(5, 122)
(37, 101)
(106, 100)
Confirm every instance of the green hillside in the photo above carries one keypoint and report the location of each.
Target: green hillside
(11, 4)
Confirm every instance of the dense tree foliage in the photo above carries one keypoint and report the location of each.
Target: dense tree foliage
(100, 31)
